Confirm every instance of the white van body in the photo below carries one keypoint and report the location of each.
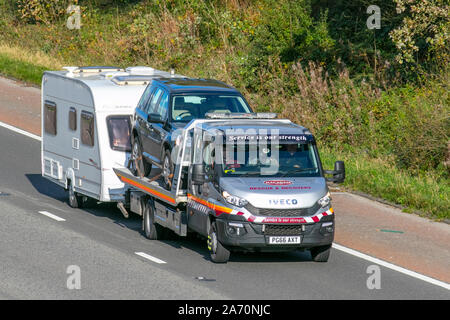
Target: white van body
(98, 100)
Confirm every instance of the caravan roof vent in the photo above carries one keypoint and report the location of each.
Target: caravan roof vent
(140, 70)
(132, 80)
(110, 75)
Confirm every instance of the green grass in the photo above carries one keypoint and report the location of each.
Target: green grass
(426, 195)
(21, 70)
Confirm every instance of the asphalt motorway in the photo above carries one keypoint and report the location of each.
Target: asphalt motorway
(38, 253)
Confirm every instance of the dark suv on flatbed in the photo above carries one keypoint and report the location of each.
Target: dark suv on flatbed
(168, 104)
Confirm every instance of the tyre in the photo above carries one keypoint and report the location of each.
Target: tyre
(152, 230)
(139, 166)
(218, 253)
(321, 254)
(75, 199)
(167, 170)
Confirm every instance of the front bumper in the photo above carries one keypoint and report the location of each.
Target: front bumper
(255, 237)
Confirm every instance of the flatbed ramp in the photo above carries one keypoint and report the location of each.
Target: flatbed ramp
(146, 192)
(149, 186)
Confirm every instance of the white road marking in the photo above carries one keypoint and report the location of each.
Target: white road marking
(25, 133)
(149, 257)
(392, 266)
(51, 215)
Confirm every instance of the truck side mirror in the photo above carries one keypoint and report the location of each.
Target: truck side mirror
(198, 174)
(338, 172)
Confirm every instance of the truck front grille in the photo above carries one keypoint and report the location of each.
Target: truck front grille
(283, 212)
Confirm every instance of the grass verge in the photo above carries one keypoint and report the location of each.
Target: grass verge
(24, 65)
(21, 70)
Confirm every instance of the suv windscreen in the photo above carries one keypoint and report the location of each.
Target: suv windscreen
(195, 106)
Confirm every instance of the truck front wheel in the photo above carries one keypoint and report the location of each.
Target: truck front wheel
(321, 254)
(218, 253)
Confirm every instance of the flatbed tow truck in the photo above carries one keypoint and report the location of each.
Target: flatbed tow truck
(244, 182)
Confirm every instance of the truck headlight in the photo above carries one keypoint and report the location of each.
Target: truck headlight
(325, 201)
(239, 202)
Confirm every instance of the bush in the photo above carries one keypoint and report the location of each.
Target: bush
(45, 11)
(287, 31)
(408, 126)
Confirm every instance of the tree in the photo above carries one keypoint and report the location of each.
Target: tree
(424, 32)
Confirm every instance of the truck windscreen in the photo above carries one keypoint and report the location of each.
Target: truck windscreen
(275, 160)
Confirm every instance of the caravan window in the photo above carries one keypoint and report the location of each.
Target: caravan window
(73, 119)
(119, 128)
(87, 128)
(50, 117)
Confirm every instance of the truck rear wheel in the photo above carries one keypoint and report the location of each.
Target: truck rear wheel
(218, 253)
(152, 230)
(321, 254)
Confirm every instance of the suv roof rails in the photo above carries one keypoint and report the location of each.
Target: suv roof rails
(237, 115)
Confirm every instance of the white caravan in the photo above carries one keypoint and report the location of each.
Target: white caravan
(86, 122)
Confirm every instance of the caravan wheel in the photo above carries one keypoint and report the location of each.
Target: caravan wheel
(75, 200)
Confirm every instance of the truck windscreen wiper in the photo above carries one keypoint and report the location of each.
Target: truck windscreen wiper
(248, 174)
(298, 170)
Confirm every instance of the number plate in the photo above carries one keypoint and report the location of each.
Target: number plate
(285, 240)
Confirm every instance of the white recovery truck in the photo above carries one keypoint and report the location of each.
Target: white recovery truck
(243, 182)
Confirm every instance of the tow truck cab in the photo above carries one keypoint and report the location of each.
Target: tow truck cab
(259, 185)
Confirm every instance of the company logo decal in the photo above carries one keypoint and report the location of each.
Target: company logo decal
(278, 182)
(283, 201)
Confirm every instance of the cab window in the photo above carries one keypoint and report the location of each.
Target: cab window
(153, 101)
(163, 106)
(145, 97)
